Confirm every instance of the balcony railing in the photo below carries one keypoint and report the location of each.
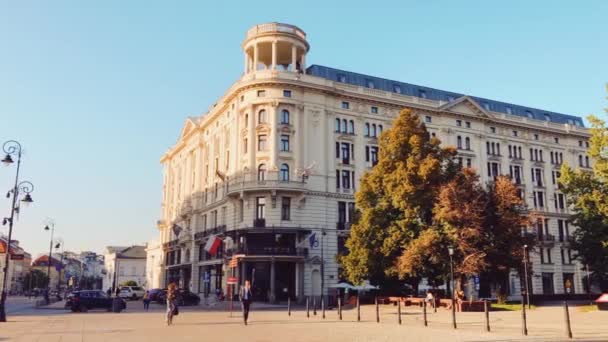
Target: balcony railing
(285, 251)
(249, 182)
(259, 223)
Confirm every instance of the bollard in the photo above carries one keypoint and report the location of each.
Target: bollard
(314, 306)
(307, 308)
(567, 317)
(426, 323)
(377, 310)
(486, 309)
(288, 306)
(399, 311)
(340, 308)
(358, 309)
(323, 306)
(524, 327)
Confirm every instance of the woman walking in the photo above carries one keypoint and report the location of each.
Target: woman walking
(246, 300)
(172, 309)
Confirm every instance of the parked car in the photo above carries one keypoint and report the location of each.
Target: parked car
(83, 301)
(157, 295)
(131, 292)
(184, 297)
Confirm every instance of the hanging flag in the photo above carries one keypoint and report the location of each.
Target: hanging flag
(309, 241)
(212, 245)
(176, 230)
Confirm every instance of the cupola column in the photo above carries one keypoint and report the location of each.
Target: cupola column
(255, 57)
(294, 53)
(274, 55)
(246, 63)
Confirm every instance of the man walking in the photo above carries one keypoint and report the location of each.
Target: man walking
(246, 300)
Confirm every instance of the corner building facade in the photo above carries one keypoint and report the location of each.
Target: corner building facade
(280, 155)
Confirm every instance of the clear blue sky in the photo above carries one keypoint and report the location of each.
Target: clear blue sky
(96, 92)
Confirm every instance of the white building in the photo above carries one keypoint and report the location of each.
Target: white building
(154, 262)
(280, 154)
(123, 264)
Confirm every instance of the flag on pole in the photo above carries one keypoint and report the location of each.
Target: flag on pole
(176, 230)
(309, 241)
(212, 245)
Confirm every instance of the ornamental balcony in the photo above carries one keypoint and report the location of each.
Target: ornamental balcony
(269, 181)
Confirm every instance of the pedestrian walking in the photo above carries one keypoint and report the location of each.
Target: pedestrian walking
(172, 309)
(246, 300)
(146, 300)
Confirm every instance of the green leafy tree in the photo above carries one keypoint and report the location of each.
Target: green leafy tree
(395, 200)
(35, 279)
(129, 283)
(587, 193)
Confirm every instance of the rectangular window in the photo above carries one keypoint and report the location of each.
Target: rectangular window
(374, 110)
(341, 78)
(345, 105)
(345, 179)
(285, 208)
(337, 179)
(260, 207)
(245, 145)
(492, 129)
(341, 212)
(509, 110)
(262, 142)
(422, 93)
(467, 124)
(366, 153)
(285, 143)
(459, 123)
(515, 133)
(345, 153)
(261, 93)
(369, 84)
(427, 119)
(374, 155)
(337, 149)
(560, 230)
(397, 88)
(286, 93)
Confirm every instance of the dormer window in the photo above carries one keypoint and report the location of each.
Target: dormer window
(422, 93)
(369, 84)
(509, 110)
(486, 105)
(529, 114)
(397, 88)
(341, 78)
(547, 117)
(451, 98)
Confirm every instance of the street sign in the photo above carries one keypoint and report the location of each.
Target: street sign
(232, 280)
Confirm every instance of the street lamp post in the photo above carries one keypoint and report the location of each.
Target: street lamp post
(524, 328)
(451, 252)
(49, 226)
(526, 275)
(11, 148)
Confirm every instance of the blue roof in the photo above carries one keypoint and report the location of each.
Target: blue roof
(438, 95)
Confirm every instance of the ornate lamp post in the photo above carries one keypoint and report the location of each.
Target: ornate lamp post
(50, 225)
(12, 148)
(451, 252)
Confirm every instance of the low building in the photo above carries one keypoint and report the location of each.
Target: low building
(42, 264)
(19, 265)
(124, 264)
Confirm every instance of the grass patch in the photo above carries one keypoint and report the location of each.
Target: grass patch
(509, 307)
(587, 308)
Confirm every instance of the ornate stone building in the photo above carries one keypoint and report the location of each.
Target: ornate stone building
(278, 157)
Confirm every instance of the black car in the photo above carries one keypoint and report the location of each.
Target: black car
(157, 295)
(184, 298)
(82, 301)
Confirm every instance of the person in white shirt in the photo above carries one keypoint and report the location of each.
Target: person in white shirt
(246, 300)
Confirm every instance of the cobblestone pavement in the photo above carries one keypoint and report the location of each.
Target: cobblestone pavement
(272, 324)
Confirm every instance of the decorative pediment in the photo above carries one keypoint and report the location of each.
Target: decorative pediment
(189, 126)
(315, 260)
(465, 105)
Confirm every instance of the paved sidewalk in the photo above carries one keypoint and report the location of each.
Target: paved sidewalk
(196, 324)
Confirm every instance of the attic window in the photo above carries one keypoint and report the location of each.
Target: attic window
(451, 98)
(529, 114)
(509, 110)
(486, 106)
(547, 117)
(397, 88)
(422, 93)
(341, 78)
(369, 84)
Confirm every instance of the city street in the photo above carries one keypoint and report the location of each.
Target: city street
(196, 324)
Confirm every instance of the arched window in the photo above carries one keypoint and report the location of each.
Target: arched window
(547, 117)
(284, 173)
(374, 130)
(344, 125)
(366, 130)
(467, 143)
(246, 120)
(379, 129)
(529, 114)
(337, 125)
(459, 142)
(580, 160)
(262, 172)
(262, 117)
(285, 117)
(351, 127)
